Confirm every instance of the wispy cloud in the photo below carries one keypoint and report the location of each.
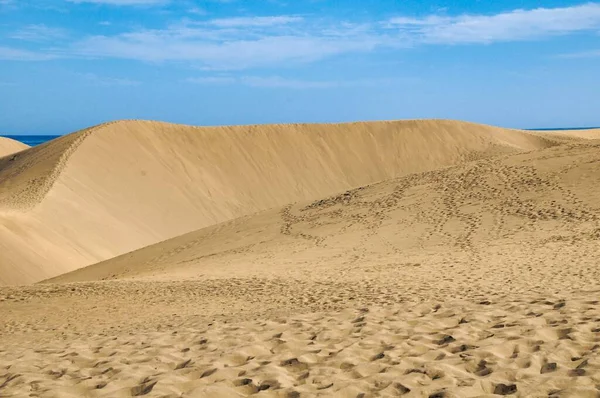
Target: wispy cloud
(509, 26)
(239, 43)
(209, 80)
(7, 5)
(16, 54)
(280, 82)
(295, 84)
(122, 2)
(254, 21)
(108, 81)
(39, 32)
(197, 11)
(229, 44)
(582, 54)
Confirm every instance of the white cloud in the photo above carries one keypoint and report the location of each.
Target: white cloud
(16, 54)
(265, 41)
(242, 44)
(282, 40)
(509, 26)
(39, 32)
(197, 11)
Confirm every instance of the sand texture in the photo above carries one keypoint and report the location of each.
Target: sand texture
(418, 259)
(590, 134)
(9, 146)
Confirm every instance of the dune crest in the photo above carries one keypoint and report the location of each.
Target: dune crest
(27, 178)
(120, 186)
(9, 146)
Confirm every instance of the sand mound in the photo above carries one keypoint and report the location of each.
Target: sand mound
(9, 146)
(504, 210)
(25, 179)
(113, 188)
(589, 134)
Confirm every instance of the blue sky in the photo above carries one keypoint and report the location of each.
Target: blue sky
(69, 64)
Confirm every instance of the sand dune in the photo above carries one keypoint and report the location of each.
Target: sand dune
(590, 134)
(478, 279)
(503, 209)
(9, 146)
(113, 188)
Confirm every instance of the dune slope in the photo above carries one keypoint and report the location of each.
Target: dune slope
(113, 188)
(9, 146)
(500, 210)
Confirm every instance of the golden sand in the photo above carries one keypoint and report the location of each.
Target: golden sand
(10, 147)
(418, 258)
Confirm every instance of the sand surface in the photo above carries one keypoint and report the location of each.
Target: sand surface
(9, 146)
(475, 273)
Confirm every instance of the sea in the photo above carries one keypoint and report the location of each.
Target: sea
(564, 129)
(33, 140)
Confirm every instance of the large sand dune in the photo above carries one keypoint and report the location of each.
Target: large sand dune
(504, 209)
(9, 146)
(476, 274)
(113, 188)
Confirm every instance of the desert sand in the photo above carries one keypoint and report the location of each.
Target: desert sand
(9, 146)
(414, 258)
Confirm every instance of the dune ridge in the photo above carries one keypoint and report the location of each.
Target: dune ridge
(62, 206)
(27, 178)
(52, 157)
(9, 146)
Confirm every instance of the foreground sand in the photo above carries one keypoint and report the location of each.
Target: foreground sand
(388, 344)
(479, 279)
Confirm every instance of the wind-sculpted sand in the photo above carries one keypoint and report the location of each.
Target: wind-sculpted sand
(9, 146)
(473, 276)
(383, 342)
(117, 187)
